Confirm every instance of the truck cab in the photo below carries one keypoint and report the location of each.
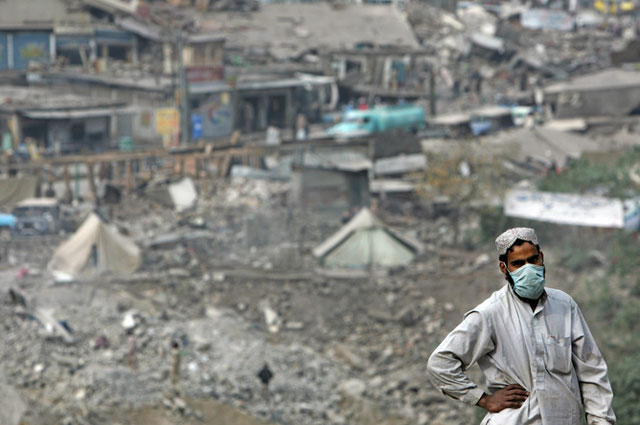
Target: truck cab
(359, 123)
(356, 123)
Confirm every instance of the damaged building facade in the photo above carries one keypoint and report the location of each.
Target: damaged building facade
(58, 123)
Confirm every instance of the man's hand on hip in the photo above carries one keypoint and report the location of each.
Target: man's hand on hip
(510, 397)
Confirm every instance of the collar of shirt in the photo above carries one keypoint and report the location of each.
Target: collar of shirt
(539, 307)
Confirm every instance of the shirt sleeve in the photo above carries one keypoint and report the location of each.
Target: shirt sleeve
(462, 348)
(591, 371)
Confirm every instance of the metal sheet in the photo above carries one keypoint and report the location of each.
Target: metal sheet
(82, 113)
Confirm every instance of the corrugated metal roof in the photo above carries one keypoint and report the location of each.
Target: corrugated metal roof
(79, 113)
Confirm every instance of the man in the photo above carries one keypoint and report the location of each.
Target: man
(540, 361)
(265, 375)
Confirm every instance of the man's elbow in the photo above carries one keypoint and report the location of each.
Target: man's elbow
(432, 366)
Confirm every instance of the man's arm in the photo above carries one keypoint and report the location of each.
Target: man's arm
(460, 349)
(591, 371)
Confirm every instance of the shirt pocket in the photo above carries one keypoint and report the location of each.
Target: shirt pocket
(558, 354)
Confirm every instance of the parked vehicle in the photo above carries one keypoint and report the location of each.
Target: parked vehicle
(359, 123)
(36, 216)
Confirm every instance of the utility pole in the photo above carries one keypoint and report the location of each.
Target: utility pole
(185, 110)
(432, 92)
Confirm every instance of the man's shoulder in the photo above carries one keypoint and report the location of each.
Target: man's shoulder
(492, 303)
(556, 295)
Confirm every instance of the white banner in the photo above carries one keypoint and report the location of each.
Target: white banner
(565, 208)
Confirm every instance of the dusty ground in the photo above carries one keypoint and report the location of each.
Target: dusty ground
(347, 350)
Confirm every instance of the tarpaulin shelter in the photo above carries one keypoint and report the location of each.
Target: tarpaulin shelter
(16, 189)
(365, 242)
(96, 247)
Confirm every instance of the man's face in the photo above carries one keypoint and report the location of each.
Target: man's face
(519, 255)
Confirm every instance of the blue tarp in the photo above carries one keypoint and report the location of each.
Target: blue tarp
(7, 220)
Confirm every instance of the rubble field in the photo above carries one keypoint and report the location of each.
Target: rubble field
(342, 348)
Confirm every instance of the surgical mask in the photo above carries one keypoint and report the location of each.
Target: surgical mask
(528, 281)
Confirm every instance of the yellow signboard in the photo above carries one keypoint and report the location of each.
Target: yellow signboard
(167, 121)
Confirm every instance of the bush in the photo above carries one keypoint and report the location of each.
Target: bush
(625, 380)
(584, 176)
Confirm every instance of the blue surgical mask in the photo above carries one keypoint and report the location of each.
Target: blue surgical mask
(528, 281)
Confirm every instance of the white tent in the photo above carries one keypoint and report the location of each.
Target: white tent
(113, 251)
(366, 242)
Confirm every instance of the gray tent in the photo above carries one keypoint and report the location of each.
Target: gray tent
(366, 242)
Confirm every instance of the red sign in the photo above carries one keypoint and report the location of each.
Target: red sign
(203, 74)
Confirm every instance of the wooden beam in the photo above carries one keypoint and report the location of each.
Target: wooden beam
(92, 181)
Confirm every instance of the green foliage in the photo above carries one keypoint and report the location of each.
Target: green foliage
(625, 379)
(613, 317)
(624, 254)
(576, 260)
(585, 175)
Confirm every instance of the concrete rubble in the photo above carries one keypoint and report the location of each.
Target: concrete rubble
(193, 138)
(229, 313)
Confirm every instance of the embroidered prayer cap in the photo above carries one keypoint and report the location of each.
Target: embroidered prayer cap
(506, 240)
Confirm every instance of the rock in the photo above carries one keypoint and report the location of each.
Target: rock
(482, 260)
(352, 359)
(12, 407)
(335, 418)
(433, 326)
(294, 326)
(352, 388)
(379, 315)
(408, 317)
(179, 403)
(423, 419)
(175, 272)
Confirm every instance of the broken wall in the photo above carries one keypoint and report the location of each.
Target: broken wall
(606, 102)
(329, 192)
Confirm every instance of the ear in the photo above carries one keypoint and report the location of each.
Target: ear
(542, 257)
(503, 267)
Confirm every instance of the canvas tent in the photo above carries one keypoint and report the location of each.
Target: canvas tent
(96, 247)
(365, 242)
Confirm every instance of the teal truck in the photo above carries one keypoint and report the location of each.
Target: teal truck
(359, 123)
